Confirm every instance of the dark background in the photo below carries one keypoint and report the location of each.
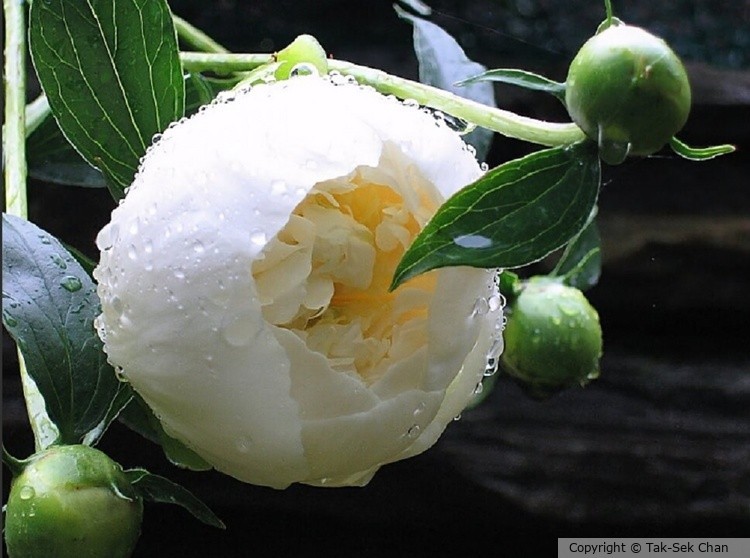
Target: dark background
(659, 446)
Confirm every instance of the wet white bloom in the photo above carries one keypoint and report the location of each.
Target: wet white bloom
(244, 284)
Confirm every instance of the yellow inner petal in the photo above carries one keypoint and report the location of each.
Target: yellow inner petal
(325, 276)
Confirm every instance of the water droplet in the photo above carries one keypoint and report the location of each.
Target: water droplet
(568, 309)
(481, 307)
(179, 274)
(198, 247)
(304, 69)
(496, 348)
(612, 152)
(9, 320)
(239, 332)
(496, 302)
(243, 444)
(457, 417)
(472, 241)
(45, 239)
(26, 493)
(132, 252)
(58, 261)
(258, 238)
(491, 369)
(420, 409)
(413, 431)
(479, 388)
(71, 283)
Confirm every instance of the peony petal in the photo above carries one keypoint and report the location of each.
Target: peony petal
(211, 251)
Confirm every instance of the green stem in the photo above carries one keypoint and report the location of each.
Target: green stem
(14, 129)
(194, 37)
(608, 7)
(222, 63)
(498, 120)
(36, 111)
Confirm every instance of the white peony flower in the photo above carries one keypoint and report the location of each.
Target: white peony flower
(244, 284)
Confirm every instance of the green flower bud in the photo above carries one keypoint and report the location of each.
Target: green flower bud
(553, 339)
(628, 91)
(72, 502)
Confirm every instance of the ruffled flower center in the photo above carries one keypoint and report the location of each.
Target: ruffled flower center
(325, 275)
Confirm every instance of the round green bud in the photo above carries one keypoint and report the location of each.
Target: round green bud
(72, 502)
(628, 91)
(553, 339)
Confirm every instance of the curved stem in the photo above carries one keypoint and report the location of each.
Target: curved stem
(196, 38)
(498, 120)
(36, 111)
(608, 8)
(501, 121)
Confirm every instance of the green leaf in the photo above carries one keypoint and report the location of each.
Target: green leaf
(51, 158)
(521, 78)
(699, 153)
(442, 62)
(112, 74)
(158, 489)
(581, 263)
(49, 306)
(138, 417)
(515, 214)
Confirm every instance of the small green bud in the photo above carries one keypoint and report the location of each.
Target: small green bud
(72, 502)
(553, 339)
(628, 91)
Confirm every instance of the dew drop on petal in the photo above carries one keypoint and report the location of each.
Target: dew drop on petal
(420, 409)
(239, 332)
(413, 431)
(258, 238)
(481, 307)
(243, 444)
